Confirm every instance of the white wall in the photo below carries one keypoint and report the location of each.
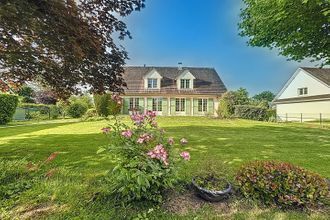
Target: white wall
(303, 79)
(309, 110)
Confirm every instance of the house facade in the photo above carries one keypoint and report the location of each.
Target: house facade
(172, 91)
(306, 96)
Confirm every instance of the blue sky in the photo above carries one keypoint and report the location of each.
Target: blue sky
(204, 33)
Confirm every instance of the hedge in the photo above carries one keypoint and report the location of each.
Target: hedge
(8, 104)
(251, 112)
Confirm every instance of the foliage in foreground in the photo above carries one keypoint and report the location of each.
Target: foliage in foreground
(282, 184)
(8, 104)
(146, 161)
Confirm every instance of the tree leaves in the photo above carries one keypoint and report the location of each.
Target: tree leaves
(64, 45)
(299, 29)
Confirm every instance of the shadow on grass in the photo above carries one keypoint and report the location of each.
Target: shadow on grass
(232, 145)
(12, 131)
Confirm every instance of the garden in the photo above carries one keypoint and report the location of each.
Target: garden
(142, 167)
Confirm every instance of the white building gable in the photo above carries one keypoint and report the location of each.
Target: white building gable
(302, 79)
(153, 74)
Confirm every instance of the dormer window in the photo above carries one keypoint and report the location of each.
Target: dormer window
(185, 80)
(303, 91)
(152, 80)
(185, 84)
(152, 83)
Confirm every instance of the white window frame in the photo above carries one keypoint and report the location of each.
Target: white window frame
(302, 91)
(181, 105)
(134, 103)
(202, 105)
(185, 83)
(153, 83)
(157, 104)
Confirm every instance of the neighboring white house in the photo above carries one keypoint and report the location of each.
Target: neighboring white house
(306, 96)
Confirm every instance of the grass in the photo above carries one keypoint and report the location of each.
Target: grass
(76, 191)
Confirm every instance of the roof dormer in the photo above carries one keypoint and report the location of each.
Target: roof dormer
(152, 80)
(185, 80)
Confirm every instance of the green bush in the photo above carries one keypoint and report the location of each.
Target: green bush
(271, 115)
(251, 112)
(282, 184)
(107, 104)
(8, 104)
(54, 111)
(102, 104)
(77, 109)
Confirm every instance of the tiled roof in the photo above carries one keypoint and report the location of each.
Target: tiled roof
(303, 99)
(207, 80)
(321, 74)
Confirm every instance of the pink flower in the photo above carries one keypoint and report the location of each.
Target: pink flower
(151, 114)
(185, 155)
(144, 138)
(106, 130)
(184, 141)
(127, 133)
(137, 118)
(159, 153)
(170, 141)
(154, 124)
(117, 99)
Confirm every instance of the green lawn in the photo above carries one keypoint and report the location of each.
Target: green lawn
(71, 193)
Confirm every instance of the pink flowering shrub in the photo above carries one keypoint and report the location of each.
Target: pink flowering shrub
(146, 160)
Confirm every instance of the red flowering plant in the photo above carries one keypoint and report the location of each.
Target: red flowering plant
(147, 162)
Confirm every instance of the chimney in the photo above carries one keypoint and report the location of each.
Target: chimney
(179, 65)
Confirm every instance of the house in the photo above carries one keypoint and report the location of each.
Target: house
(306, 96)
(172, 90)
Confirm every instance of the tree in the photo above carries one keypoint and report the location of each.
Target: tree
(46, 96)
(241, 96)
(63, 44)
(264, 96)
(230, 99)
(27, 93)
(299, 29)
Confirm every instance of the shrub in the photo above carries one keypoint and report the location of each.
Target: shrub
(107, 104)
(54, 111)
(8, 104)
(282, 184)
(251, 112)
(146, 161)
(226, 105)
(77, 109)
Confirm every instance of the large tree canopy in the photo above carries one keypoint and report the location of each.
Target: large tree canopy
(299, 29)
(64, 43)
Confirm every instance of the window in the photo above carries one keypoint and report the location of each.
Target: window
(180, 104)
(152, 84)
(202, 105)
(185, 84)
(303, 91)
(157, 104)
(134, 103)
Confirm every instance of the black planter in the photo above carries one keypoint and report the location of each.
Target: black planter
(211, 195)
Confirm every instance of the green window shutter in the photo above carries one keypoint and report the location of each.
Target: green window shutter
(141, 104)
(188, 106)
(210, 106)
(165, 109)
(126, 105)
(149, 104)
(172, 106)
